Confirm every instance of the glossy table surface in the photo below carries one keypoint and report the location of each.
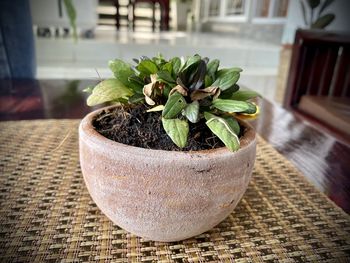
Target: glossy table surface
(321, 158)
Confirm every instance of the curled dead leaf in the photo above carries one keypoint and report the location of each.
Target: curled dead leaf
(149, 101)
(203, 93)
(178, 89)
(153, 78)
(150, 90)
(147, 89)
(156, 108)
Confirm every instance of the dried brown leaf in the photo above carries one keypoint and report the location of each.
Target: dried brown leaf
(178, 89)
(203, 93)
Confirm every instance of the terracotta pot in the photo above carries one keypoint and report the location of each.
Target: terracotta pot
(164, 195)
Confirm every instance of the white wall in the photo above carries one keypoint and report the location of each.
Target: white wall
(45, 13)
(341, 9)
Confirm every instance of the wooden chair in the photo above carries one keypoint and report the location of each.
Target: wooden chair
(318, 86)
(164, 10)
(116, 16)
(133, 4)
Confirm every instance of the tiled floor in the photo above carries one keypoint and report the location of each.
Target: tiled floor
(62, 58)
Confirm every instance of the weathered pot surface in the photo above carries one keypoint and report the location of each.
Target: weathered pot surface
(164, 195)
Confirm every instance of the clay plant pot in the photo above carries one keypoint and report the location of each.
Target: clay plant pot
(164, 195)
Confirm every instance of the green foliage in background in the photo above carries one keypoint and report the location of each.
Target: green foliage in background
(72, 15)
(321, 20)
(184, 90)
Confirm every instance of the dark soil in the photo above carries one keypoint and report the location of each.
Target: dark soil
(136, 127)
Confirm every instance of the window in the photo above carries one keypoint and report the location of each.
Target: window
(262, 8)
(214, 8)
(281, 8)
(235, 7)
(255, 11)
(271, 8)
(227, 10)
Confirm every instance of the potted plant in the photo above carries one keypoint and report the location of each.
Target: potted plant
(171, 160)
(317, 20)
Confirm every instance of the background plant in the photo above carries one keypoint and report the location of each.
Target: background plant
(316, 17)
(184, 91)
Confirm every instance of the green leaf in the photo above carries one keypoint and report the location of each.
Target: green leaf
(122, 71)
(244, 95)
(177, 130)
(191, 62)
(147, 67)
(176, 63)
(313, 3)
(196, 78)
(192, 111)
(175, 104)
(303, 9)
(212, 67)
(234, 106)
(120, 100)
(208, 81)
(72, 15)
(323, 21)
(108, 90)
(167, 90)
(136, 83)
(136, 98)
(228, 93)
(227, 80)
(165, 77)
(233, 123)
(192, 73)
(224, 71)
(136, 79)
(222, 129)
(167, 67)
(325, 4)
(144, 58)
(159, 59)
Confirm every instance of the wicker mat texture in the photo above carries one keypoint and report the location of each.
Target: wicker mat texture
(47, 215)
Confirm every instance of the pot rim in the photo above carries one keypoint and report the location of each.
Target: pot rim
(88, 131)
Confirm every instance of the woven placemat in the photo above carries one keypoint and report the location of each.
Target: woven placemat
(46, 213)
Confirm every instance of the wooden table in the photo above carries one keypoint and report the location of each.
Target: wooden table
(323, 160)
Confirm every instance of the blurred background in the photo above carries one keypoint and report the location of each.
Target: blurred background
(256, 35)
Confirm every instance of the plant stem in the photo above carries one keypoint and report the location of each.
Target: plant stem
(311, 17)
